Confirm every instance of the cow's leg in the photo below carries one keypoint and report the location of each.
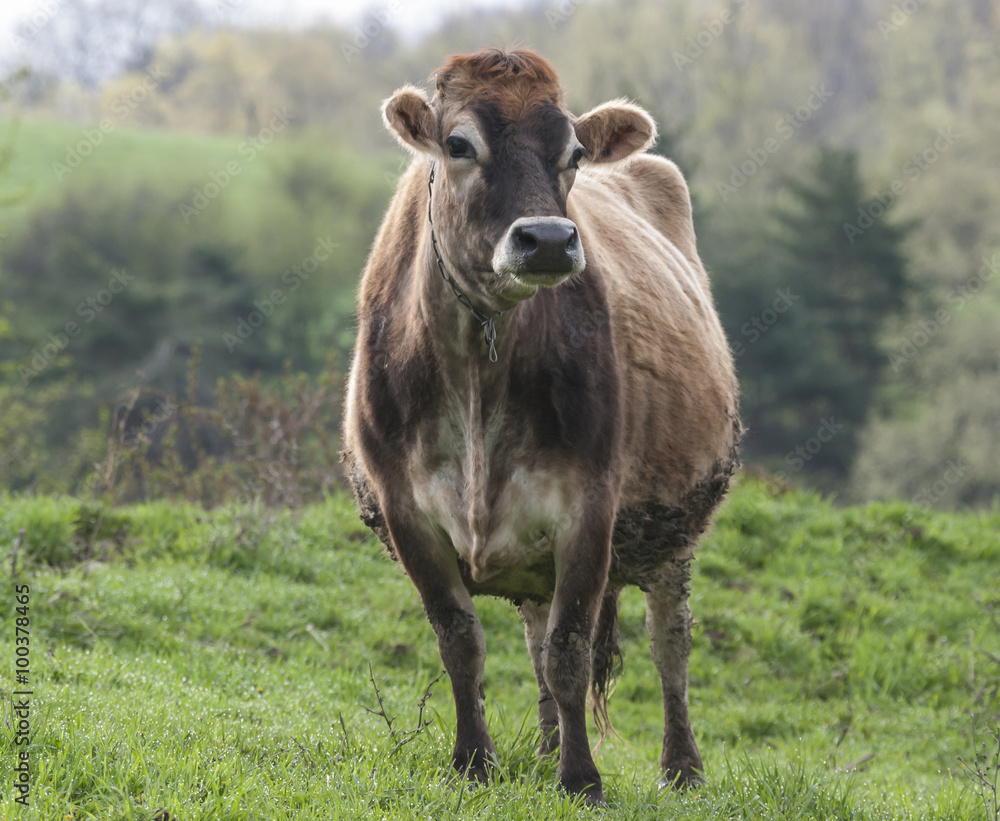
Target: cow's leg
(582, 572)
(668, 620)
(463, 651)
(449, 608)
(536, 617)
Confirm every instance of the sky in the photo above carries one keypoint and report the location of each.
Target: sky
(411, 17)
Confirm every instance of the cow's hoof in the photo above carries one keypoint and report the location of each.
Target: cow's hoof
(594, 796)
(479, 766)
(589, 787)
(682, 776)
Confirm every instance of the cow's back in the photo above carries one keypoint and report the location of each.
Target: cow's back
(679, 381)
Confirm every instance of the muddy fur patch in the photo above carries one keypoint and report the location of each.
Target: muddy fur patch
(368, 506)
(648, 535)
(644, 538)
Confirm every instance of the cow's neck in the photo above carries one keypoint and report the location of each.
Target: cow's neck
(485, 316)
(474, 388)
(473, 355)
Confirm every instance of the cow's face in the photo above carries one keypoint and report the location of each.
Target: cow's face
(506, 153)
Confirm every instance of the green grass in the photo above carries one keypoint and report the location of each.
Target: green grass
(216, 664)
(125, 158)
(171, 162)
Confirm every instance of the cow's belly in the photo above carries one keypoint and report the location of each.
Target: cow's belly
(503, 534)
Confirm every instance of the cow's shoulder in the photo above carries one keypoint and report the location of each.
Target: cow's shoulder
(392, 375)
(395, 247)
(655, 187)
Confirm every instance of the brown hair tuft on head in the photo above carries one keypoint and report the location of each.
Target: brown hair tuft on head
(516, 75)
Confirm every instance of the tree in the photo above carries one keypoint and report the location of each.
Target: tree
(91, 42)
(812, 358)
(940, 446)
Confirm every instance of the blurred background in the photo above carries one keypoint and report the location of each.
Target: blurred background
(188, 191)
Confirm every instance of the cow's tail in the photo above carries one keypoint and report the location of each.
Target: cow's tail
(606, 663)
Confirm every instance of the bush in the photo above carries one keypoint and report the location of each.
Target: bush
(273, 442)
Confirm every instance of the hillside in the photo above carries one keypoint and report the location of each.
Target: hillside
(202, 230)
(841, 159)
(217, 664)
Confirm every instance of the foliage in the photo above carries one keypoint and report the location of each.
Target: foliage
(812, 359)
(107, 291)
(942, 448)
(745, 92)
(28, 462)
(984, 772)
(275, 443)
(89, 42)
(194, 276)
(216, 664)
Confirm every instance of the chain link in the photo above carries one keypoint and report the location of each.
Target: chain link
(486, 320)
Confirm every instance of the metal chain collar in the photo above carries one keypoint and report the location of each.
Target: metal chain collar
(489, 328)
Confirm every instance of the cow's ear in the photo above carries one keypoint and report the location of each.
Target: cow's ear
(408, 116)
(614, 131)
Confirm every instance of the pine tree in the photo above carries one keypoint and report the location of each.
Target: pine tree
(838, 260)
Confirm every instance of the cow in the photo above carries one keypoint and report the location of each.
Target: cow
(542, 404)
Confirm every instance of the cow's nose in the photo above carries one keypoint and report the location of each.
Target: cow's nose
(540, 251)
(545, 245)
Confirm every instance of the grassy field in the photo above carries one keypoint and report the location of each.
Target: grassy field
(219, 665)
(44, 169)
(124, 158)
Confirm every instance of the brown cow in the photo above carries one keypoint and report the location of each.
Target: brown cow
(542, 404)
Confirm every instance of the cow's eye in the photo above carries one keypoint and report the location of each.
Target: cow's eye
(578, 154)
(460, 148)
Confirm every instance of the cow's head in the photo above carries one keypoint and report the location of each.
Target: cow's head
(505, 152)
